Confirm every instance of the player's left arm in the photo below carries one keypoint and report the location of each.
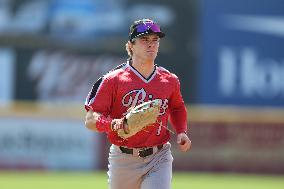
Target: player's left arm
(178, 118)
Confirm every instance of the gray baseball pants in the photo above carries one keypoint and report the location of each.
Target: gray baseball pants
(127, 171)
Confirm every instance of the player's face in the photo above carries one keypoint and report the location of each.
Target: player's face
(146, 47)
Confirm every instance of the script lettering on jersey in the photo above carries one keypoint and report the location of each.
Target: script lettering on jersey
(138, 96)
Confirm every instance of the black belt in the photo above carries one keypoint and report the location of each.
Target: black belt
(141, 153)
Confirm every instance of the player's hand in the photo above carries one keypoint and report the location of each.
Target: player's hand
(117, 124)
(91, 119)
(183, 142)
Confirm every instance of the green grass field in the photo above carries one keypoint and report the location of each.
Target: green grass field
(98, 180)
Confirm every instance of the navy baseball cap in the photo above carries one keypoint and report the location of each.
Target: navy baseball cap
(144, 27)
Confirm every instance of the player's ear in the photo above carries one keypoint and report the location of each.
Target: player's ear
(130, 44)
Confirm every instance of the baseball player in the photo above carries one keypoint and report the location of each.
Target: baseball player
(142, 161)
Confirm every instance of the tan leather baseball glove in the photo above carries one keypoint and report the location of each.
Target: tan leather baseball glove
(139, 117)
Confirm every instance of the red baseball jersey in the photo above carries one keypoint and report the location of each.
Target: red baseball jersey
(124, 87)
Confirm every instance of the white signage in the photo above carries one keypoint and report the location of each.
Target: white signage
(47, 144)
(246, 72)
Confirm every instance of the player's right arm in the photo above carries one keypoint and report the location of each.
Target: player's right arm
(99, 104)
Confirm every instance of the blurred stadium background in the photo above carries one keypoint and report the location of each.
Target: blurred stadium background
(227, 54)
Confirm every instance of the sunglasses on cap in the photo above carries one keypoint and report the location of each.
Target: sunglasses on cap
(146, 28)
(148, 25)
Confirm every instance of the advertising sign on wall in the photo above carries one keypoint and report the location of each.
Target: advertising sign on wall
(42, 143)
(242, 60)
(59, 76)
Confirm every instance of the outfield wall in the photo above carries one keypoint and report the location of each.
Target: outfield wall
(230, 139)
(37, 136)
(235, 140)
